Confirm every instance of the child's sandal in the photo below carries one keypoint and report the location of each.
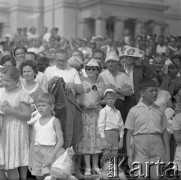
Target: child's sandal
(96, 171)
(87, 172)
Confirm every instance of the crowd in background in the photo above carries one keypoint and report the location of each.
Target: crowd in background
(86, 65)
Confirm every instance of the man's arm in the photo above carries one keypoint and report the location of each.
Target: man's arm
(126, 91)
(167, 146)
(130, 150)
(128, 141)
(177, 135)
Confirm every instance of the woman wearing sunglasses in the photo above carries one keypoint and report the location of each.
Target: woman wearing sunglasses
(91, 144)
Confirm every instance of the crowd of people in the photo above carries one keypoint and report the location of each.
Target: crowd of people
(101, 96)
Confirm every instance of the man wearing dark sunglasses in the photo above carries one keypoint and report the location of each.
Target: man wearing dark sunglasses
(91, 68)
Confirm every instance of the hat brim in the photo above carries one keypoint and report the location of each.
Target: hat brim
(111, 60)
(109, 91)
(131, 56)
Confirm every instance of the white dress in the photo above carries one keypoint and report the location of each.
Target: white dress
(15, 132)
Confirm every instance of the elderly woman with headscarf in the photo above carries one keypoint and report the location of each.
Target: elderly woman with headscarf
(75, 62)
(91, 143)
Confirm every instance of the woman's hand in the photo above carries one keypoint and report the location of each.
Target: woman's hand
(6, 109)
(55, 79)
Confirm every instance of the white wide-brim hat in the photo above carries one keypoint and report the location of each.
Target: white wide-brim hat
(93, 62)
(131, 52)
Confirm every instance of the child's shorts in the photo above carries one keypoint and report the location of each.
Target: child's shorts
(112, 138)
(148, 148)
(40, 154)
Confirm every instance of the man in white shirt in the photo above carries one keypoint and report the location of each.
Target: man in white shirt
(161, 47)
(47, 35)
(116, 80)
(69, 75)
(120, 83)
(99, 55)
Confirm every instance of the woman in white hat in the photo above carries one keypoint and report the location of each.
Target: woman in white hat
(91, 143)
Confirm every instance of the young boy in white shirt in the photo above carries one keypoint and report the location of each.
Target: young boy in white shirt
(111, 127)
(147, 136)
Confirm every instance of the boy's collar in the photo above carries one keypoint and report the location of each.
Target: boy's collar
(110, 108)
(141, 104)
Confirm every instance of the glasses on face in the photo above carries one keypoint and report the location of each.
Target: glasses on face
(91, 68)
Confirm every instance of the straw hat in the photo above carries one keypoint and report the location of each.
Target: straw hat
(131, 52)
(75, 62)
(93, 62)
(112, 56)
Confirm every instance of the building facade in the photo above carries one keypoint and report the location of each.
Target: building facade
(86, 18)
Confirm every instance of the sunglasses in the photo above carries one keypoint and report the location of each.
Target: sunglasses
(91, 68)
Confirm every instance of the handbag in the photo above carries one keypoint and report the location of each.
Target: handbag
(89, 100)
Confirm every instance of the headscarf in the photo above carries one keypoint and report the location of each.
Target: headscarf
(75, 62)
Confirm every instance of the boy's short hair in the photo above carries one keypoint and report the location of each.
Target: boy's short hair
(46, 97)
(146, 83)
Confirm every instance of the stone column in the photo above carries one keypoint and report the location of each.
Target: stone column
(157, 29)
(27, 14)
(118, 28)
(83, 29)
(166, 30)
(138, 27)
(100, 26)
(6, 28)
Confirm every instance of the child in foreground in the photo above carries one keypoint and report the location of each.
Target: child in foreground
(47, 137)
(147, 130)
(111, 127)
